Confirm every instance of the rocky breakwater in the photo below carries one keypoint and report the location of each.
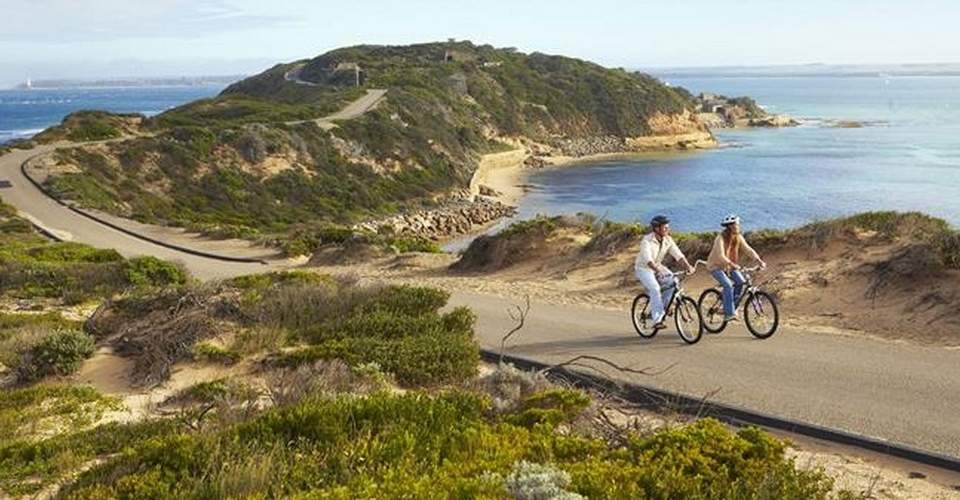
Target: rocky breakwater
(680, 131)
(455, 218)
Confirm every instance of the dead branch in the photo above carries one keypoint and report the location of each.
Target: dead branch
(623, 369)
(703, 401)
(518, 314)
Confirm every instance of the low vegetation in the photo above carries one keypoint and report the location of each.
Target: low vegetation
(83, 126)
(420, 445)
(327, 420)
(54, 275)
(33, 267)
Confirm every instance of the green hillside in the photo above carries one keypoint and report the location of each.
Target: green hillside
(231, 165)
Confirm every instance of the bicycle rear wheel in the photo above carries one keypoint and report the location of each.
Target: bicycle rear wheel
(761, 315)
(711, 310)
(640, 314)
(687, 318)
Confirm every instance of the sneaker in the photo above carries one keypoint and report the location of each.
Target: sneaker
(730, 319)
(660, 325)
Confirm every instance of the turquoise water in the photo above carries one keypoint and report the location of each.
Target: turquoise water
(906, 158)
(26, 112)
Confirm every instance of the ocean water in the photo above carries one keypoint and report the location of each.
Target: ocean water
(26, 112)
(907, 157)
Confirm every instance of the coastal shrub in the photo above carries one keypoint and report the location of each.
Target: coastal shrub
(417, 445)
(397, 327)
(411, 244)
(44, 408)
(695, 245)
(948, 244)
(29, 465)
(12, 323)
(442, 357)
(206, 351)
(151, 271)
(33, 267)
(60, 353)
(552, 406)
(531, 481)
(406, 300)
(612, 238)
(521, 240)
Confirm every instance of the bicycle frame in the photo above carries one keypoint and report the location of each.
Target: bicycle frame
(678, 292)
(749, 289)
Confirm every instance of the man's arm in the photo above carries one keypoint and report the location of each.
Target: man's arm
(678, 255)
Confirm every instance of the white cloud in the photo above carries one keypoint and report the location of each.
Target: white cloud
(65, 21)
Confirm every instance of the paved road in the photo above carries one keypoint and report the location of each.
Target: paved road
(350, 111)
(71, 226)
(893, 391)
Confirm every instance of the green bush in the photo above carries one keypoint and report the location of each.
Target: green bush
(26, 466)
(424, 446)
(151, 271)
(406, 300)
(58, 354)
(413, 360)
(206, 351)
(553, 407)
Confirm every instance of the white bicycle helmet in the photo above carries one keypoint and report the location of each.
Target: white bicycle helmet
(730, 219)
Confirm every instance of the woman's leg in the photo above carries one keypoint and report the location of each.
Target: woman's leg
(649, 281)
(724, 281)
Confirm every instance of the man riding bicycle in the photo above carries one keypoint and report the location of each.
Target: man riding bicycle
(649, 268)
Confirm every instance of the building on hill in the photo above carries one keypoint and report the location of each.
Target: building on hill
(712, 103)
(343, 72)
(452, 55)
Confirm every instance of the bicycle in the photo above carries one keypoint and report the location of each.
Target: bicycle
(686, 314)
(760, 311)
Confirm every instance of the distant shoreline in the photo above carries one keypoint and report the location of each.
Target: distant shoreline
(115, 83)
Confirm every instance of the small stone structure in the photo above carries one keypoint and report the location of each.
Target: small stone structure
(349, 68)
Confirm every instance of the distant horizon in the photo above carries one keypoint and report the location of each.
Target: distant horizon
(948, 69)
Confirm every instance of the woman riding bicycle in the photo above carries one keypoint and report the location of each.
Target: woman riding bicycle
(723, 263)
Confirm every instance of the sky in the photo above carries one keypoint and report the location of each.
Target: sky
(102, 38)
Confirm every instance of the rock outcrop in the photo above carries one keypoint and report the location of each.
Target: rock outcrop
(453, 219)
(718, 111)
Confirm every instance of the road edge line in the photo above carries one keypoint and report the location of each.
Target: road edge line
(198, 253)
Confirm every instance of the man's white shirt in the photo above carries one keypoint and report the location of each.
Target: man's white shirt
(653, 249)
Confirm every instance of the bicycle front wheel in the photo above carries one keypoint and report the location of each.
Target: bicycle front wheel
(761, 315)
(640, 314)
(711, 310)
(687, 318)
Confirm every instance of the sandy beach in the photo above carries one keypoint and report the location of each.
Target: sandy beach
(505, 172)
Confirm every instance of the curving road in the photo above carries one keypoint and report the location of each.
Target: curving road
(68, 225)
(353, 110)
